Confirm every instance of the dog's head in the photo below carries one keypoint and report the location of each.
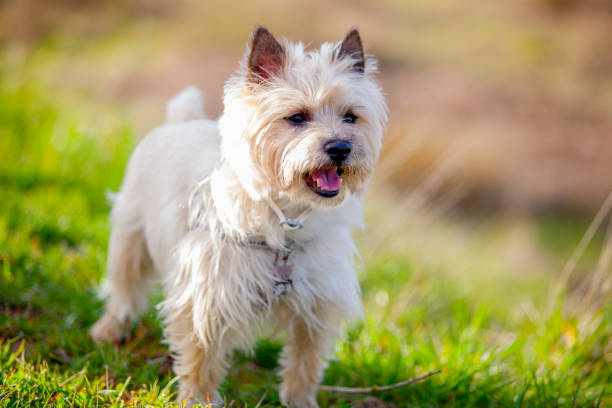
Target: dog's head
(306, 125)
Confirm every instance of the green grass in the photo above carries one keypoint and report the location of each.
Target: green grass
(55, 169)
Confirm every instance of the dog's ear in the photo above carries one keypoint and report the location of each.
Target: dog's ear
(267, 56)
(352, 47)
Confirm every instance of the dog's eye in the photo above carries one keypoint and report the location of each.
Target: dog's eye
(349, 117)
(297, 119)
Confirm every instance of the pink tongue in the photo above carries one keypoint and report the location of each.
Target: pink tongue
(328, 179)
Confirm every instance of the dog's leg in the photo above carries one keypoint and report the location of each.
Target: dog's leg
(201, 374)
(304, 358)
(128, 281)
(201, 369)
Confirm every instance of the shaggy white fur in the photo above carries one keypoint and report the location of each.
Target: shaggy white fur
(196, 196)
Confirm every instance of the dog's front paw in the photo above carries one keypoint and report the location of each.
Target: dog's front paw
(107, 329)
(190, 403)
(298, 397)
(191, 394)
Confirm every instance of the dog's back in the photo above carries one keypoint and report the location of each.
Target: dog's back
(147, 221)
(176, 155)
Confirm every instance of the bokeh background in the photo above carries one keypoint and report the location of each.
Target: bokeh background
(497, 159)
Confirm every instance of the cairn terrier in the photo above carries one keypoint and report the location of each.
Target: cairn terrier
(246, 221)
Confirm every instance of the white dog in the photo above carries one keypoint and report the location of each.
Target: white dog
(247, 221)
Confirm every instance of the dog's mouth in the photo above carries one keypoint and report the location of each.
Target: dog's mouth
(325, 182)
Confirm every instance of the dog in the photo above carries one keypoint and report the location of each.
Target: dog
(246, 221)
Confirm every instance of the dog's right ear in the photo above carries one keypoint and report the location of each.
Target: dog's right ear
(352, 47)
(267, 56)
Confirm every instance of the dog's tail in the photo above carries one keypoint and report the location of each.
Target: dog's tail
(186, 105)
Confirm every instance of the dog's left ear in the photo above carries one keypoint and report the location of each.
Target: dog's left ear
(352, 47)
(267, 56)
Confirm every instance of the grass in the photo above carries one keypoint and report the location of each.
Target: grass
(54, 172)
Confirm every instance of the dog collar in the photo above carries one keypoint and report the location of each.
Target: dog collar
(283, 268)
(286, 223)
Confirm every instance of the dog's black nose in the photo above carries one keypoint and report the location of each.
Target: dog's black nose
(338, 150)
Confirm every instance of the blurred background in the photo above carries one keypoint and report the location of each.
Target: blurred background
(498, 154)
